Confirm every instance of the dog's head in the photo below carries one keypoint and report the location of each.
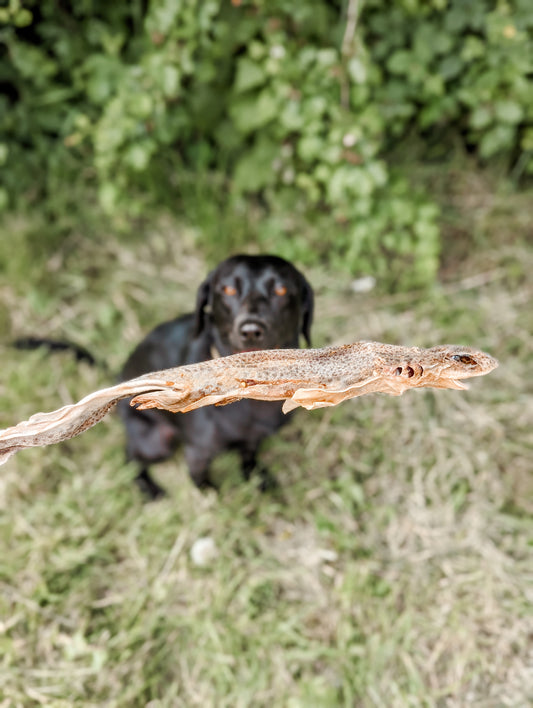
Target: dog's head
(254, 302)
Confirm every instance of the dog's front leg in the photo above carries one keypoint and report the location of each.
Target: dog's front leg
(248, 461)
(150, 489)
(198, 463)
(250, 465)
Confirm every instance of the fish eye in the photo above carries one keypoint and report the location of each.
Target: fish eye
(464, 359)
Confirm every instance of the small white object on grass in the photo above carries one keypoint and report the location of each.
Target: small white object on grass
(203, 551)
(364, 284)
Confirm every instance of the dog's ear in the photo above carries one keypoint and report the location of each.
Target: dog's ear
(203, 297)
(307, 304)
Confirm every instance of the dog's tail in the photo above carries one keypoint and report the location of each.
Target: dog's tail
(57, 345)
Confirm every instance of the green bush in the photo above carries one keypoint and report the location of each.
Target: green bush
(293, 106)
(465, 63)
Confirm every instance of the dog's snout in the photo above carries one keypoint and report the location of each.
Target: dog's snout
(252, 331)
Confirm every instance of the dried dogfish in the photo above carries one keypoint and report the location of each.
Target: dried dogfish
(311, 378)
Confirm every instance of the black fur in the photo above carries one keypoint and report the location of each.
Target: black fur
(55, 345)
(247, 302)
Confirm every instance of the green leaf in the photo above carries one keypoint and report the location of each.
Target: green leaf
(108, 196)
(163, 15)
(450, 67)
(357, 70)
(473, 48)
(104, 76)
(509, 112)
(252, 112)
(481, 117)
(347, 182)
(310, 147)
(400, 62)
(434, 85)
(249, 75)
(500, 137)
(255, 171)
(170, 81)
(140, 105)
(377, 170)
(23, 18)
(33, 63)
(327, 57)
(138, 156)
(291, 116)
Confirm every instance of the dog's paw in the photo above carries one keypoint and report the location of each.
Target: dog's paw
(149, 488)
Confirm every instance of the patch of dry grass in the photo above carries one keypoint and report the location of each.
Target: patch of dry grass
(392, 568)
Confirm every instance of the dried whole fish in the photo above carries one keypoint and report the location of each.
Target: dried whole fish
(311, 378)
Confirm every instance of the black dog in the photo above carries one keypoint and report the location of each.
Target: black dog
(246, 303)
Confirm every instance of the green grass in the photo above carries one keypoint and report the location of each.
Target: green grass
(393, 566)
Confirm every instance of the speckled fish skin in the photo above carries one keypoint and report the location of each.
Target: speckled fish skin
(316, 377)
(311, 378)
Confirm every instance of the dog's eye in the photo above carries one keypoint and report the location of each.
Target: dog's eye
(280, 290)
(229, 290)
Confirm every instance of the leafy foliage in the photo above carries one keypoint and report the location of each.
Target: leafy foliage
(461, 63)
(293, 107)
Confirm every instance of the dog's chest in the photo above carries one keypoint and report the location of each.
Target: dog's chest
(246, 421)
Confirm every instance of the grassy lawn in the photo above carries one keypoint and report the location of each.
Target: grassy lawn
(393, 566)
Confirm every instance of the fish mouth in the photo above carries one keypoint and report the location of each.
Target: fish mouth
(459, 385)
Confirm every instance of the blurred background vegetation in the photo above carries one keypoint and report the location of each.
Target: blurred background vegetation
(140, 142)
(299, 121)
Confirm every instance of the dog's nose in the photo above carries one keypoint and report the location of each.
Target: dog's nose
(251, 332)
